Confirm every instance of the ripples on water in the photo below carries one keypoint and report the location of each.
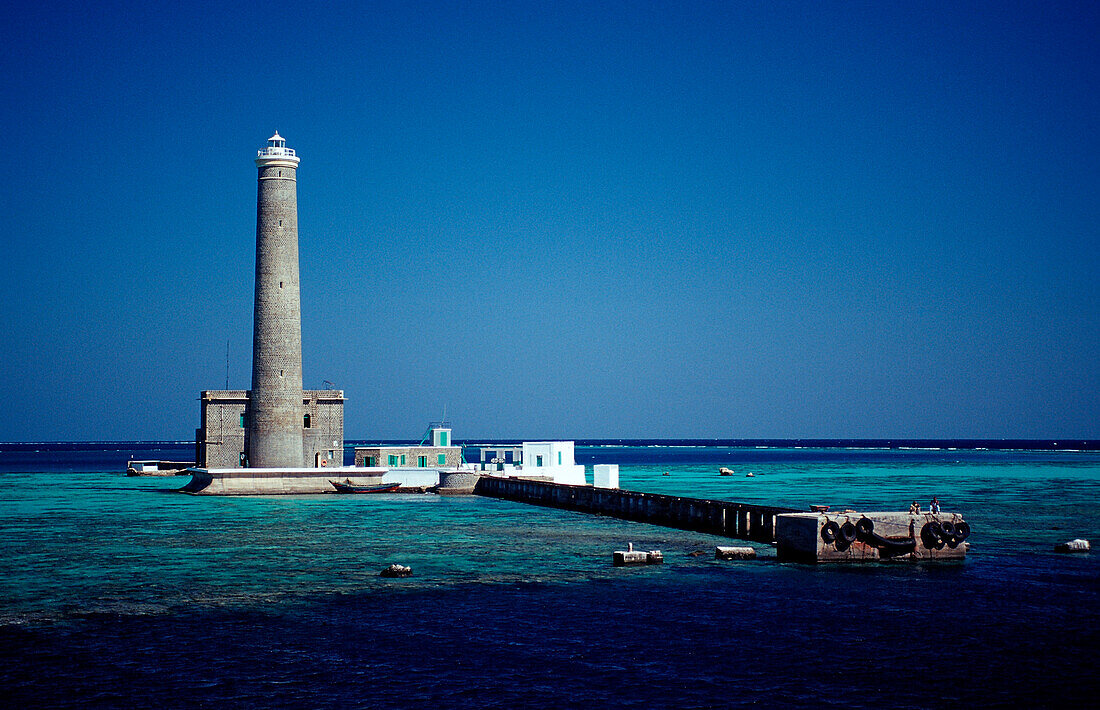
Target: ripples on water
(113, 593)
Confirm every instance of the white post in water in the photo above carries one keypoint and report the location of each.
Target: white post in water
(605, 475)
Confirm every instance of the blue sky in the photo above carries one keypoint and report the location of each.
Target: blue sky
(562, 219)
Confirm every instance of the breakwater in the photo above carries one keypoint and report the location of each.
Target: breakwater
(743, 521)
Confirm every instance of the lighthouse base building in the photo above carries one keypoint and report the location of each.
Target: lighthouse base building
(221, 441)
(222, 446)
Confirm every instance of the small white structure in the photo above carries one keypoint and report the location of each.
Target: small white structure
(605, 475)
(440, 434)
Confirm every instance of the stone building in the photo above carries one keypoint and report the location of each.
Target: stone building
(222, 440)
(440, 454)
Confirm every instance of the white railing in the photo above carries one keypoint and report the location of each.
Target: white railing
(274, 151)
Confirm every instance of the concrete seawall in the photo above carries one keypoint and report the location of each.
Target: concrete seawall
(717, 517)
(275, 481)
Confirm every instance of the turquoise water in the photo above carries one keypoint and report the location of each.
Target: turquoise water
(101, 539)
(87, 551)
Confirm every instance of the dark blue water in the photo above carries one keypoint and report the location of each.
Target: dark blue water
(116, 592)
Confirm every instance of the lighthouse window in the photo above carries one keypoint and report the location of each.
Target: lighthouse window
(306, 421)
(421, 461)
(242, 420)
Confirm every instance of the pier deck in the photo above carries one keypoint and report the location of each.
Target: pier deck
(743, 521)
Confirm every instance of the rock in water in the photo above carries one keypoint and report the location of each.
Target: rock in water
(396, 570)
(1077, 545)
(734, 553)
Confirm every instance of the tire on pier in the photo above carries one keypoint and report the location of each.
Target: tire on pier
(932, 536)
(848, 532)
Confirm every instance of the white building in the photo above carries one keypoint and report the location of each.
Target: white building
(550, 460)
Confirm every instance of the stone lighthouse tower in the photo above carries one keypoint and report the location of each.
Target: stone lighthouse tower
(275, 404)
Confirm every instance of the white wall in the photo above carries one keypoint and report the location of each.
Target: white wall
(412, 477)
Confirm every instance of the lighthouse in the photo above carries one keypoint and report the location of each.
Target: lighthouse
(275, 407)
(275, 426)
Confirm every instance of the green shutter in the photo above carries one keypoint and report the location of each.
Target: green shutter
(443, 438)
(442, 459)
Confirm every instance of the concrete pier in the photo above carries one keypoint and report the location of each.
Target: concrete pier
(295, 480)
(716, 517)
(799, 537)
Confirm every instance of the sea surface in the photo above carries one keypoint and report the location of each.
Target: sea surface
(121, 592)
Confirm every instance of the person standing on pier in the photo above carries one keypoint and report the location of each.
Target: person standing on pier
(934, 506)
